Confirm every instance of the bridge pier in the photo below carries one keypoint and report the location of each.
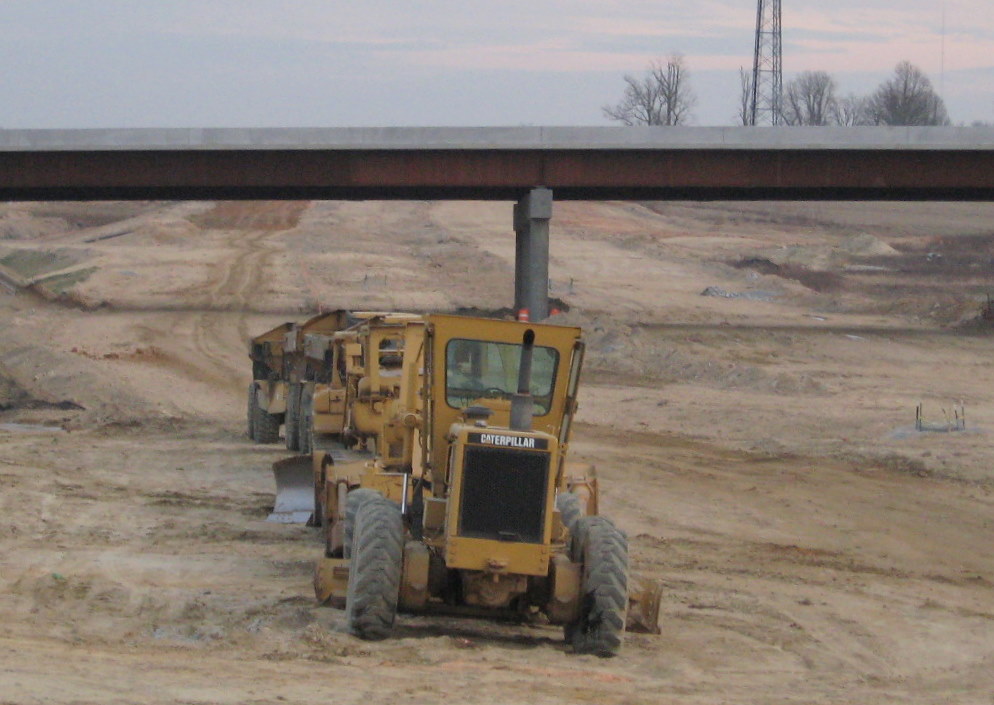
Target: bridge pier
(531, 253)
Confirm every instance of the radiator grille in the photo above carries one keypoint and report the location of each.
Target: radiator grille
(503, 494)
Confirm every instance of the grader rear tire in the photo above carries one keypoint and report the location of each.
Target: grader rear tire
(375, 570)
(305, 422)
(267, 426)
(601, 626)
(292, 424)
(570, 509)
(355, 500)
(252, 403)
(307, 434)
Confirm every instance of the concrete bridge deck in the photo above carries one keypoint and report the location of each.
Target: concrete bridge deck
(500, 163)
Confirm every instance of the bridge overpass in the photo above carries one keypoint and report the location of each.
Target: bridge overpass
(527, 165)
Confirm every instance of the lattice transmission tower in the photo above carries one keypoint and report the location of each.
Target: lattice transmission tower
(767, 66)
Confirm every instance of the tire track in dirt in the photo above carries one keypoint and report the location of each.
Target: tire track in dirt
(192, 354)
(217, 331)
(219, 327)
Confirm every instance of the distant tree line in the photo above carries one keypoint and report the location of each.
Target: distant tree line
(663, 96)
(906, 98)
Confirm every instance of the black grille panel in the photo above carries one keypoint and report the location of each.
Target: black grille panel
(503, 494)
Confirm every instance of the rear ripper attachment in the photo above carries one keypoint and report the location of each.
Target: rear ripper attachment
(444, 485)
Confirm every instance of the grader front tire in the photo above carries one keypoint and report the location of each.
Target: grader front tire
(375, 570)
(356, 498)
(604, 602)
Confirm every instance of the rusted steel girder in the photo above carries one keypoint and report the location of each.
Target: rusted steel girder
(499, 174)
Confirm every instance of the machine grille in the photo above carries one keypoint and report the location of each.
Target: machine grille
(503, 494)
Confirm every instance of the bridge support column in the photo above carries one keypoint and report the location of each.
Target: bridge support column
(531, 253)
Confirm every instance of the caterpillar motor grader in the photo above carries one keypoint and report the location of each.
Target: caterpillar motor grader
(291, 366)
(444, 484)
(267, 390)
(310, 376)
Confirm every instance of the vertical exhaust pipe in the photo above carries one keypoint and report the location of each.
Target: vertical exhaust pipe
(522, 405)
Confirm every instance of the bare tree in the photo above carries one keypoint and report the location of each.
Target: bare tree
(809, 99)
(851, 111)
(639, 105)
(661, 97)
(744, 115)
(907, 99)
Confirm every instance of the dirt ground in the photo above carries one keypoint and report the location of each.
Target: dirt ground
(757, 444)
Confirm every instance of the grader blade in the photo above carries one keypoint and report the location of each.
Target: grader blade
(643, 606)
(294, 490)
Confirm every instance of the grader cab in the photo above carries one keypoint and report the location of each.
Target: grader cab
(448, 488)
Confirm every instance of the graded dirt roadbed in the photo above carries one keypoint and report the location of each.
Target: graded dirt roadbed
(138, 566)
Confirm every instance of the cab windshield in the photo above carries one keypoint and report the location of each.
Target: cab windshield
(478, 369)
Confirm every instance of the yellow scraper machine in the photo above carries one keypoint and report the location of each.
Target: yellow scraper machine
(438, 475)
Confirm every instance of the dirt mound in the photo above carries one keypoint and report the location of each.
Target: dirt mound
(816, 280)
(12, 394)
(94, 214)
(653, 354)
(255, 215)
(15, 395)
(15, 225)
(866, 245)
(31, 263)
(824, 257)
(44, 221)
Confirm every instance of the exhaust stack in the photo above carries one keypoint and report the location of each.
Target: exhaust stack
(521, 402)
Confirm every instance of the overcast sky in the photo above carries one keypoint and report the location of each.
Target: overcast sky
(267, 63)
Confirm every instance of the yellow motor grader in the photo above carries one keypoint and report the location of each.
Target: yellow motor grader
(291, 365)
(309, 373)
(444, 484)
(267, 390)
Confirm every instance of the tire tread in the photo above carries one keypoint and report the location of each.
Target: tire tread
(251, 404)
(601, 626)
(356, 498)
(375, 570)
(292, 423)
(570, 509)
